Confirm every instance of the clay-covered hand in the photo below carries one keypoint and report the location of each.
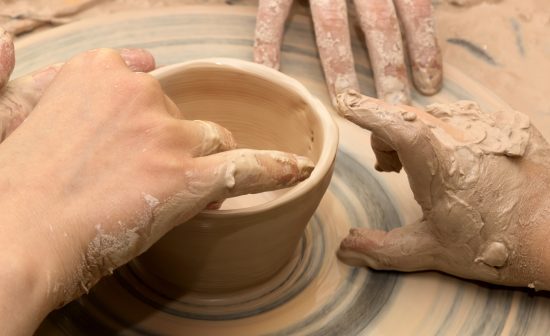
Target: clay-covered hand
(483, 183)
(104, 166)
(380, 24)
(19, 96)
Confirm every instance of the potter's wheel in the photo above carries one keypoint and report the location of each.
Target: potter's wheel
(318, 295)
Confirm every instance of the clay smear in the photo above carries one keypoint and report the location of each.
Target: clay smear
(473, 174)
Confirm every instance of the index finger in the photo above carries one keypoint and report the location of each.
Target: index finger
(407, 130)
(246, 171)
(394, 124)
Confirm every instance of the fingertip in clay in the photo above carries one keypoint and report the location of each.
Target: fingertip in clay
(348, 100)
(356, 249)
(355, 259)
(428, 80)
(305, 167)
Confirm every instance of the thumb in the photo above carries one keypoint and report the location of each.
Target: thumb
(409, 248)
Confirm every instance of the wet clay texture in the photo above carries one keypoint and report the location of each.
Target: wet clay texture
(476, 176)
(337, 299)
(252, 237)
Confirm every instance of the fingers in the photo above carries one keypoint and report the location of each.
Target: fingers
(389, 121)
(408, 248)
(393, 125)
(20, 97)
(387, 159)
(135, 59)
(22, 94)
(400, 138)
(330, 20)
(409, 132)
(7, 57)
(246, 171)
(424, 52)
(203, 138)
(378, 20)
(270, 22)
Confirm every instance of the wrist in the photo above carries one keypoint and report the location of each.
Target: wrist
(24, 296)
(539, 249)
(28, 268)
(533, 233)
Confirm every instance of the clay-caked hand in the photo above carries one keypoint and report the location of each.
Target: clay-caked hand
(483, 183)
(103, 167)
(379, 21)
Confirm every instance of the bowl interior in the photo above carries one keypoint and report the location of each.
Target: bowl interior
(261, 113)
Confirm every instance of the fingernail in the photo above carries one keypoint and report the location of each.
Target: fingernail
(305, 167)
(43, 78)
(231, 142)
(266, 54)
(348, 100)
(138, 59)
(428, 80)
(216, 205)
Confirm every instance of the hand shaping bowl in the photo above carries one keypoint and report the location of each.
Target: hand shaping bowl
(253, 237)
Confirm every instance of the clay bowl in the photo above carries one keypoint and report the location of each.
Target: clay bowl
(251, 238)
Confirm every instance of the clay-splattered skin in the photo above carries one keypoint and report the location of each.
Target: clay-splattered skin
(101, 168)
(482, 181)
(379, 21)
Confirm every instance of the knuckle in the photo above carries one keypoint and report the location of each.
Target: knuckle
(144, 89)
(146, 82)
(103, 58)
(104, 55)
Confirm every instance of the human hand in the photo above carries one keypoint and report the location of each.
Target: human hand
(19, 96)
(482, 181)
(379, 21)
(104, 166)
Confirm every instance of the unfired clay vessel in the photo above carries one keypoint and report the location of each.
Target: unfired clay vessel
(252, 238)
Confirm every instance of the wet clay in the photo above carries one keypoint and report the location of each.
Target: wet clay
(472, 173)
(423, 302)
(254, 236)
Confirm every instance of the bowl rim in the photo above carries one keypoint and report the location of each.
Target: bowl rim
(328, 126)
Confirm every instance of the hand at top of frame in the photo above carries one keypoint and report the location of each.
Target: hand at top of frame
(379, 20)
